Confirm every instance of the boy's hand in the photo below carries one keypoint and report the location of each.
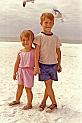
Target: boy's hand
(59, 69)
(14, 76)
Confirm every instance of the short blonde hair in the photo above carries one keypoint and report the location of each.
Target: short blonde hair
(48, 15)
(27, 33)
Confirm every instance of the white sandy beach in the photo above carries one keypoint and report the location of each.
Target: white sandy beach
(68, 89)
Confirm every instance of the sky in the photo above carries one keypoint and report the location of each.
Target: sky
(14, 17)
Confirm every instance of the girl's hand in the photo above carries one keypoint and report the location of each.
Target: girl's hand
(14, 76)
(36, 71)
(59, 69)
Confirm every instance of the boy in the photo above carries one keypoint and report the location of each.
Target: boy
(47, 59)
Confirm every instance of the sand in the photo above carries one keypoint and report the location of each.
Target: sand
(67, 90)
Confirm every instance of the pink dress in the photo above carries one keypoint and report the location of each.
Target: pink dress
(25, 74)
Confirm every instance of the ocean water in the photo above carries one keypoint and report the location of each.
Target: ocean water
(14, 18)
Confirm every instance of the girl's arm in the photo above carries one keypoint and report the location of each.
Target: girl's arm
(58, 51)
(16, 66)
(37, 50)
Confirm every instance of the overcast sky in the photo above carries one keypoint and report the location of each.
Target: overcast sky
(14, 17)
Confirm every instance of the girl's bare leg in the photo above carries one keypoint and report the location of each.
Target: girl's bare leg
(19, 92)
(29, 95)
(18, 95)
(29, 99)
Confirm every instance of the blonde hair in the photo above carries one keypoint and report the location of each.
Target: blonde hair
(48, 15)
(27, 33)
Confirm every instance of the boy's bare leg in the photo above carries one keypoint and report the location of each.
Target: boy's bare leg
(43, 103)
(45, 96)
(50, 91)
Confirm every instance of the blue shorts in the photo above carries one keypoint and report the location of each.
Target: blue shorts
(48, 72)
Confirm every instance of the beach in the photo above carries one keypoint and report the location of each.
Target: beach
(67, 89)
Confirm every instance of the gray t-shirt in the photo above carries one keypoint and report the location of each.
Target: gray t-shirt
(48, 45)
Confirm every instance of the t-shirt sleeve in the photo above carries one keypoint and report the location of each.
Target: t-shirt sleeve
(58, 42)
(37, 40)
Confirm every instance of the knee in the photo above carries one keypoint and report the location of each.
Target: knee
(28, 90)
(48, 86)
(20, 87)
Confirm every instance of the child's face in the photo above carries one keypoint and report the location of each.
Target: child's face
(26, 42)
(47, 25)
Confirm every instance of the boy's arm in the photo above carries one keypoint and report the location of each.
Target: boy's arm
(37, 50)
(58, 51)
(16, 66)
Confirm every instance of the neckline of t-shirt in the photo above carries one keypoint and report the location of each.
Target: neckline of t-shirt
(47, 34)
(26, 51)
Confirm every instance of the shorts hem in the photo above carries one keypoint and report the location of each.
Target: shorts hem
(48, 79)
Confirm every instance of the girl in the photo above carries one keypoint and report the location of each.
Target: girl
(24, 69)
